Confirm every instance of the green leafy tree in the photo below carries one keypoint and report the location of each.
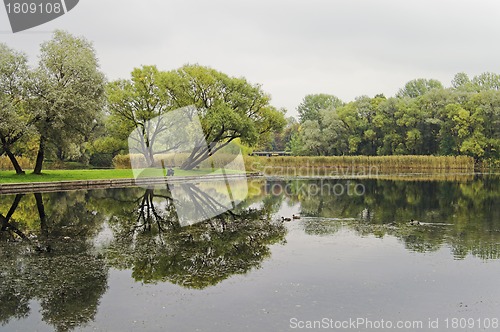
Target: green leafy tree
(485, 109)
(358, 117)
(461, 81)
(228, 108)
(134, 102)
(312, 138)
(296, 146)
(15, 122)
(418, 87)
(384, 123)
(334, 133)
(487, 81)
(67, 92)
(311, 105)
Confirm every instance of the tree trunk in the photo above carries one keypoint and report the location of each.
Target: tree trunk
(41, 213)
(4, 221)
(14, 162)
(14, 206)
(197, 157)
(40, 156)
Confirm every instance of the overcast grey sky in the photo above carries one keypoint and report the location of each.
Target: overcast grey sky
(292, 47)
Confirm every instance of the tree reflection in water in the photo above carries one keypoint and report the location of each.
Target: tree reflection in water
(49, 255)
(50, 265)
(462, 214)
(157, 248)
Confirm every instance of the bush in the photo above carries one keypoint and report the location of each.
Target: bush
(121, 161)
(490, 163)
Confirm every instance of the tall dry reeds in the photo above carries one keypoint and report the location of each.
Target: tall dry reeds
(381, 162)
(254, 163)
(175, 160)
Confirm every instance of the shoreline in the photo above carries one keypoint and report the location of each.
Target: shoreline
(54, 186)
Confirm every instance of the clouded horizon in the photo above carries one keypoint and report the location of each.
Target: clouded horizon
(347, 48)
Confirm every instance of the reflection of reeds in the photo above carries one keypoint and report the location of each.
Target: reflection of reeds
(380, 162)
(435, 176)
(430, 177)
(6, 165)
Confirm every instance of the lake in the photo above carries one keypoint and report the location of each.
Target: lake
(119, 260)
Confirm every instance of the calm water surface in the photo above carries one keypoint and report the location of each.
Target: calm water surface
(116, 260)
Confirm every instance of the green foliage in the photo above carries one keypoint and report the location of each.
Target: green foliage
(425, 119)
(487, 81)
(15, 121)
(57, 106)
(228, 108)
(419, 87)
(103, 149)
(311, 106)
(68, 91)
(461, 81)
(296, 146)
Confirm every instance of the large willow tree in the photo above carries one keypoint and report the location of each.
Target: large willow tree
(228, 108)
(67, 92)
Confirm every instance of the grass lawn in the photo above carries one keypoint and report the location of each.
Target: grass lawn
(85, 174)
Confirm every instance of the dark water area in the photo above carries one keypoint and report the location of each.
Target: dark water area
(119, 260)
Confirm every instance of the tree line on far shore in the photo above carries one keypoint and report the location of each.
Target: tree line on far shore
(424, 118)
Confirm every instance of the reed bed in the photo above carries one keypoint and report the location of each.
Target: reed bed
(431, 177)
(353, 163)
(413, 163)
(175, 160)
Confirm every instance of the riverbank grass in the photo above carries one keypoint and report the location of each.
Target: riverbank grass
(86, 174)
